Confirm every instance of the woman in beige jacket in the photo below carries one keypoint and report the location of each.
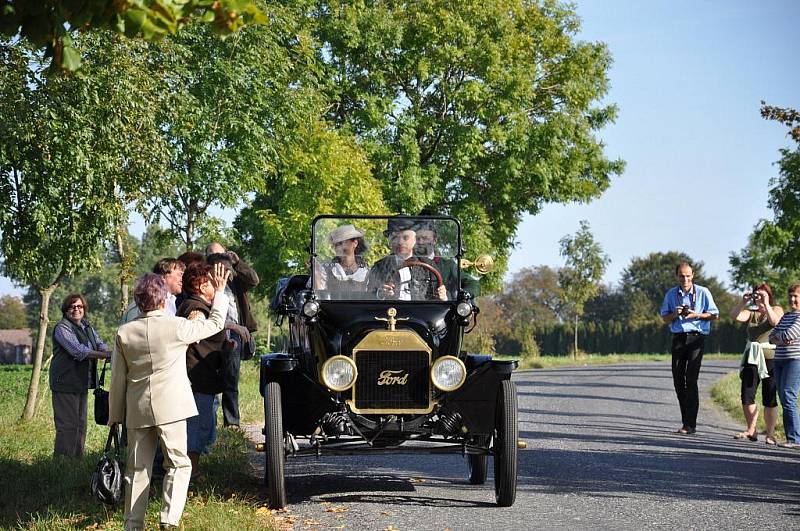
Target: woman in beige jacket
(152, 396)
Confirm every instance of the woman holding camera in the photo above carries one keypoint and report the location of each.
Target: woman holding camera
(757, 309)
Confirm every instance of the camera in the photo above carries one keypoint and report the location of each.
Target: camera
(684, 310)
(754, 297)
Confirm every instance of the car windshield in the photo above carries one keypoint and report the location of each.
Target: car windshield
(395, 258)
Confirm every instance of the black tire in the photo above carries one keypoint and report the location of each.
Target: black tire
(505, 445)
(274, 451)
(478, 464)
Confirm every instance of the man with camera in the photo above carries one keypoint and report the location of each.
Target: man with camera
(688, 309)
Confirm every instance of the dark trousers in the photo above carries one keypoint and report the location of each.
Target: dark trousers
(687, 356)
(230, 396)
(69, 416)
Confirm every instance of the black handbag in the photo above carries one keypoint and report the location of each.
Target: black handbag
(107, 483)
(101, 400)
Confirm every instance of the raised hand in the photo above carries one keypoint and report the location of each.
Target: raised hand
(219, 277)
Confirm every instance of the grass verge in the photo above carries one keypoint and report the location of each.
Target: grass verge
(547, 361)
(726, 394)
(46, 492)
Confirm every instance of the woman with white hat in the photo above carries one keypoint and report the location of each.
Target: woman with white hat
(345, 277)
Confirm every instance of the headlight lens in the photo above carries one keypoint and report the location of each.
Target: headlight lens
(339, 373)
(464, 309)
(448, 373)
(311, 308)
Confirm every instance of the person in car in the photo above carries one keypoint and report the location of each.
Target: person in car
(344, 277)
(426, 247)
(392, 278)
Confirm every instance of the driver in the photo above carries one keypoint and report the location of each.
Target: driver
(391, 277)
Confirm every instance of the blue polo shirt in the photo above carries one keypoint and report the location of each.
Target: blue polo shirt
(701, 301)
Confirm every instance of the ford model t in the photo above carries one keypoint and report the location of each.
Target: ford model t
(375, 362)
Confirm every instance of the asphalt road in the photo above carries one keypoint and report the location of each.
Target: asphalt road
(602, 454)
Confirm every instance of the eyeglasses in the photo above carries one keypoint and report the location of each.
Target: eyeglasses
(76, 307)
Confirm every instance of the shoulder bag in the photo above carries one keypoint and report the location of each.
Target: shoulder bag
(107, 481)
(101, 399)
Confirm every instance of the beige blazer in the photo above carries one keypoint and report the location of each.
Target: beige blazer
(149, 383)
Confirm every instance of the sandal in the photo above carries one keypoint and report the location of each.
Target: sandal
(745, 435)
(770, 439)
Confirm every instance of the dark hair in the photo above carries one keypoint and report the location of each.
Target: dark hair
(362, 246)
(165, 266)
(683, 264)
(793, 288)
(150, 292)
(70, 299)
(221, 258)
(194, 276)
(191, 257)
(764, 286)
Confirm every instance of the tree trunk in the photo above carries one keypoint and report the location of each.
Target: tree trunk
(124, 274)
(33, 388)
(575, 346)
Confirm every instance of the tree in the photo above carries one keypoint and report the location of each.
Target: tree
(65, 148)
(772, 251)
(485, 110)
(227, 113)
(318, 171)
(52, 24)
(12, 313)
(579, 279)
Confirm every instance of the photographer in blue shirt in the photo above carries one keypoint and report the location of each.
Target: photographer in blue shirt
(688, 309)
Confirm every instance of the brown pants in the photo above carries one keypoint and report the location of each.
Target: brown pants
(69, 415)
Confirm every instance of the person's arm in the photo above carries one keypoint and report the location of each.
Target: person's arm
(786, 336)
(77, 350)
(710, 312)
(118, 387)
(774, 314)
(194, 330)
(740, 312)
(668, 315)
(246, 277)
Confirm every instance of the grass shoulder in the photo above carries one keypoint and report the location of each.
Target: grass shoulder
(548, 361)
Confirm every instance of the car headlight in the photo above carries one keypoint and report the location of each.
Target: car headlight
(448, 373)
(311, 308)
(339, 373)
(464, 309)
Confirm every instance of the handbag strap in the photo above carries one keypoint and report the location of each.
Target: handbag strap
(113, 438)
(103, 374)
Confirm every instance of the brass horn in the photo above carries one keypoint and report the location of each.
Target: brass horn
(483, 264)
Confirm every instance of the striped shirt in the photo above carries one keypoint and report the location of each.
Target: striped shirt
(786, 335)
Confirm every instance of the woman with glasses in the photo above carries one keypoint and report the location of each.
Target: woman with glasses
(73, 371)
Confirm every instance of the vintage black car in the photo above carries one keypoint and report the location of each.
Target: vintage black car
(375, 363)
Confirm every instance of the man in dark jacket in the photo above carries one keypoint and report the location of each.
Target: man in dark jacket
(240, 323)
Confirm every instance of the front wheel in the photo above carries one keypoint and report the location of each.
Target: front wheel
(478, 464)
(505, 445)
(275, 452)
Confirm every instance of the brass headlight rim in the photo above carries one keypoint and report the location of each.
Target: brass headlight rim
(329, 361)
(460, 383)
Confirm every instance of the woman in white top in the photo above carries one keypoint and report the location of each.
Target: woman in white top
(345, 277)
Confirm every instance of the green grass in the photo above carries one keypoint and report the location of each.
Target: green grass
(726, 394)
(46, 492)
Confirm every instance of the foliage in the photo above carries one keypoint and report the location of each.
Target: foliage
(319, 172)
(585, 265)
(231, 105)
(481, 109)
(772, 253)
(52, 24)
(12, 313)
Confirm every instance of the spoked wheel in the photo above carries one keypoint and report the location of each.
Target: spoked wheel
(505, 445)
(478, 464)
(275, 452)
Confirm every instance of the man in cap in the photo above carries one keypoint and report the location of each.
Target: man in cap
(393, 277)
(239, 321)
(427, 239)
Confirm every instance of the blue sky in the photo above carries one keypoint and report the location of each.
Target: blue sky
(688, 78)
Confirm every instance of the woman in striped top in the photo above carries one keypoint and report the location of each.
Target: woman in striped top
(786, 336)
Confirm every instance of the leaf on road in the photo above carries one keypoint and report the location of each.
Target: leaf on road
(417, 480)
(339, 509)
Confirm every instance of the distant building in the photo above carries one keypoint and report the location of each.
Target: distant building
(16, 347)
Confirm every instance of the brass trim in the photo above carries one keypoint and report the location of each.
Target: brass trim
(325, 380)
(390, 341)
(463, 377)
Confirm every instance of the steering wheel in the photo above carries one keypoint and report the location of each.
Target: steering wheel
(416, 263)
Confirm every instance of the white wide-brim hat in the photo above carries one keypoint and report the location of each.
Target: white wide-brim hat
(344, 233)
